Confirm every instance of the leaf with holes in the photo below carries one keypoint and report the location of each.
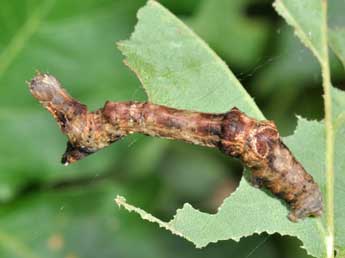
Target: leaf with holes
(178, 69)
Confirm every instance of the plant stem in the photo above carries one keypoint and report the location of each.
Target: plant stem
(329, 138)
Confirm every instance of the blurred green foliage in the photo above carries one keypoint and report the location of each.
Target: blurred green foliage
(48, 210)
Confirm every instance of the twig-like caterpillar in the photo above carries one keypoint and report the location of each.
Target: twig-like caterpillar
(256, 143)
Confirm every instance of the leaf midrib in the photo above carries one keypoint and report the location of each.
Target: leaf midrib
(222, 64)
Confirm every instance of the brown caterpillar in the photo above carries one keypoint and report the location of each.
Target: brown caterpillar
(256, 143)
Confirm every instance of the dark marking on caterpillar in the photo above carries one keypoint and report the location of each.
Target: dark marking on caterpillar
(256, 143)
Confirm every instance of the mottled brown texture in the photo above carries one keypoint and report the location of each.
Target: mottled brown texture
(273, 166)
(256, 143)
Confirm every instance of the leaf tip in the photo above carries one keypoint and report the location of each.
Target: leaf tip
(120, 201)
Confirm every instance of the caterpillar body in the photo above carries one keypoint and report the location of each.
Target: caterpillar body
(256, 143)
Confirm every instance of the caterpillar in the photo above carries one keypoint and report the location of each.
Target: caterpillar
(256, 143)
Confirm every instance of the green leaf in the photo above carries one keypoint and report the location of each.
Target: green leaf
(178, 69)
(313, 20)
(293, 58)
(81, 221)
(249, 210)
(159, 51)
(339, 132)
(72, 40)
(308, 19)
(75, 222)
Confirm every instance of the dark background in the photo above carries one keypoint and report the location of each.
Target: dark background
(47, 210)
